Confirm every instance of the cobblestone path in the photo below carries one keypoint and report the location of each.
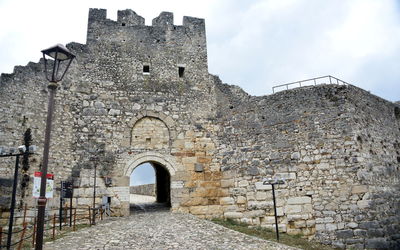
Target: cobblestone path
(159, 230)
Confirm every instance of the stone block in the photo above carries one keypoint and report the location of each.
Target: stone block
(227, 183)
(241, 200)
(260, 196)
(261, 186)
(360, 189)
(299, 200)
(375, 233)
(243, 183)
(310, 223)
(377, 243)
(330, 227)
(226, 201)
(295, 156)
(352, 225)
(300, 223)
(344, 234)
(360, 232)
(215, 209)
(362, 204)
(286, 176)
(368, 224)
(199, 210)
(293, 209)
(320, 227)
(233, 215)
(254, 213)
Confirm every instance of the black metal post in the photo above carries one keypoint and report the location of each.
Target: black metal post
(276, 216)
(61, 204)
(70, 211)
(94, 195)
(14, 192)
(42, 198)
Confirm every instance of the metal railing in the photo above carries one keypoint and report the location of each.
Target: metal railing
(24, 235)
(313, 81)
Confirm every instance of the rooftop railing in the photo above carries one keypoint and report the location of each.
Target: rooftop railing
(310, 82)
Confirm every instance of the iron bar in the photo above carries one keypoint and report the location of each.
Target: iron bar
(14, 192)
(94, 195)
(275, 214)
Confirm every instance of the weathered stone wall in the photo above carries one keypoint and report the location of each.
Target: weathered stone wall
(146, 189)
(139, 94)
(323, 141)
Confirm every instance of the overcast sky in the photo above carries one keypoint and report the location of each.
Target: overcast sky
(142, 174)
(254, 44)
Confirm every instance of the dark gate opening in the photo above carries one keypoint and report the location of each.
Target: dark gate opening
(161, 191)
(163, 183)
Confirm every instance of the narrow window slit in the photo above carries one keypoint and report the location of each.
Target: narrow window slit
(181, 71)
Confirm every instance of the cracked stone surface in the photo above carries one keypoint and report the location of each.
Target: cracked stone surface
(159, 230)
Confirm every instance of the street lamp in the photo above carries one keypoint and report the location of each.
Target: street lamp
(274, 182)
(57, 60)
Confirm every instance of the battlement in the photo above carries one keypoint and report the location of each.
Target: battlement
(158, 48)
(129, 18)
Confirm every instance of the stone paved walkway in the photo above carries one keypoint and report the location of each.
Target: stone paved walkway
(159, 230)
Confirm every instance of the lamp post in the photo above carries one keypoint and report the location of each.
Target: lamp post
(61, 59)
(274, 182)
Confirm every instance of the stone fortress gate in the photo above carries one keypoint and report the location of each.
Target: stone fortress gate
(139, 94)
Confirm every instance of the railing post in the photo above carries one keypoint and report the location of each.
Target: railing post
(74, 219)
(34, 232)
(54, 225)
(22, 236)
(24, 214)
(315, 82)
(330, 80)
(90, 217)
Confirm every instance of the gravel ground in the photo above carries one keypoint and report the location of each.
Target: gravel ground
(159, 229)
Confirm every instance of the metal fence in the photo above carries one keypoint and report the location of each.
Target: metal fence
(310, 82)
(23, 236)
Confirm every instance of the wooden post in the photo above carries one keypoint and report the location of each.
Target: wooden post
(54, 226)
(22, 235)
(34, 232)
(74, 219)
(101, 213)
(66, 212)
(90, 217)
(24, 214)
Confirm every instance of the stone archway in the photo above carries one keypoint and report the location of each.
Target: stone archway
(164, 168)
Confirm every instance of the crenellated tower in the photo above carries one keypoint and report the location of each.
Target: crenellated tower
(161, 52)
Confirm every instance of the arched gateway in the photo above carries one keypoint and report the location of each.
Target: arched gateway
(164, 167)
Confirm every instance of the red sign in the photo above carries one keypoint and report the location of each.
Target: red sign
(48, 176)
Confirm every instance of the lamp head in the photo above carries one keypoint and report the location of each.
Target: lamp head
(61, 58)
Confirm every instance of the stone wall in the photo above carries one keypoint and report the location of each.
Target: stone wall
(139, 94)
(146, 189)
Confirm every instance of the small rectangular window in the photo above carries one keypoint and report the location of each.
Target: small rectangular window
(181, 71)
(146, 69)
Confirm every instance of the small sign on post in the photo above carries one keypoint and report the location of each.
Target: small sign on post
(49, 185)
(66, 189)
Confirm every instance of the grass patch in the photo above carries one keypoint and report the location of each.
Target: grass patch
(268, 234)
